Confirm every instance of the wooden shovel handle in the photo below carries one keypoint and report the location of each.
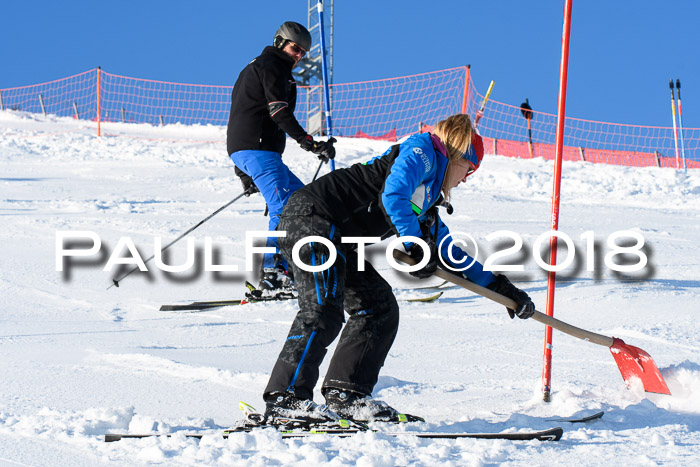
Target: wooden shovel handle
(507, 302)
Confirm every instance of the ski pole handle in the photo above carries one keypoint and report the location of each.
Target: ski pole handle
(331, 141)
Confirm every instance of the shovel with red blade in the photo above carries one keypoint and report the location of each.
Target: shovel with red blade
(632, 361)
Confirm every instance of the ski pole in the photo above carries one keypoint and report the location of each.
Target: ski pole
(480, 112)
(324, 74)
(527, 113)
(245, 193)
(680, 124)
(331, 140)
(673, 111)
(317, 171)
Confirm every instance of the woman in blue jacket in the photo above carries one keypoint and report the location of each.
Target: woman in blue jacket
(394, 194)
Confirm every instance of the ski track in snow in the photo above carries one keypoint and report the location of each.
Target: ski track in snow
(79, 361)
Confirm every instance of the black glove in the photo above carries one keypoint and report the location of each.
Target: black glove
(416, 252)
(248, 185)
(324, 149)
(504, 287)
(306, 143)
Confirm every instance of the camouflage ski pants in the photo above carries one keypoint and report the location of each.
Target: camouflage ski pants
(323, 298)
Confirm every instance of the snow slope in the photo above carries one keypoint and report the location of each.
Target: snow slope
(78, 360)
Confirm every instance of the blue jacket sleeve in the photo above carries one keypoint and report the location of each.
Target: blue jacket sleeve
(407, 173)
(476, 272)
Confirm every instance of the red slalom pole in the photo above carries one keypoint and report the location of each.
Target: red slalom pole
(563, 75)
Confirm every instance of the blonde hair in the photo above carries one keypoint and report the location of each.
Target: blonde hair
(455, 132)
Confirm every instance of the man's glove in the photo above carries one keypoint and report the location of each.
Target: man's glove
(248, 185)
(324, 149)
(416, 252)
(504, 287)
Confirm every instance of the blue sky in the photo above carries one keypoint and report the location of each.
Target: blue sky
(622, 52)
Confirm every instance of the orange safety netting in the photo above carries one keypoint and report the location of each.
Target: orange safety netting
(387, 109)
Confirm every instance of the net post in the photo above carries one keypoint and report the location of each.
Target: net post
(99, 100)
(41, 102)
(465, 98)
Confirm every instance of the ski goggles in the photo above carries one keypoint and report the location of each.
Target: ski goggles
(467, 164)
(471, 156)
(297, 49)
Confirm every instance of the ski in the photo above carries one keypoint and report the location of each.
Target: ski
(588, 418)
(201, 306)
(428, 299)
(250, 297)
(207, 305)
(552, 434)
(301, 428)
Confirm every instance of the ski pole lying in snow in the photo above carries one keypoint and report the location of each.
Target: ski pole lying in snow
(245, 193)
(633, 362)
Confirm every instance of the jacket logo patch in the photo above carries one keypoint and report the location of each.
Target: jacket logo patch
(424, 158)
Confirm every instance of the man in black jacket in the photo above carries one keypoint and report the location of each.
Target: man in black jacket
(262, 114)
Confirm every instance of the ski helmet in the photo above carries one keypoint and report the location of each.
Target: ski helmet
(295, 32)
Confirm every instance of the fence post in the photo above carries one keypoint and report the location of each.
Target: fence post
(99, 100)
(581, 153)
(466, 89)
(75, 109)
(41, 101)
(495, 146)
(2, 105)
(658, 159)
(161, 120)
(123, 115)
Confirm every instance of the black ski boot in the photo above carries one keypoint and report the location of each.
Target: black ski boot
(363, 409)
(288, 412)
(274, 279)
(275, 284)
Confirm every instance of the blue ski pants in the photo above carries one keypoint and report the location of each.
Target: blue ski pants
(275, 182)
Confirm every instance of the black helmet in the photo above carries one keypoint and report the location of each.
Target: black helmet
(295, 32)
